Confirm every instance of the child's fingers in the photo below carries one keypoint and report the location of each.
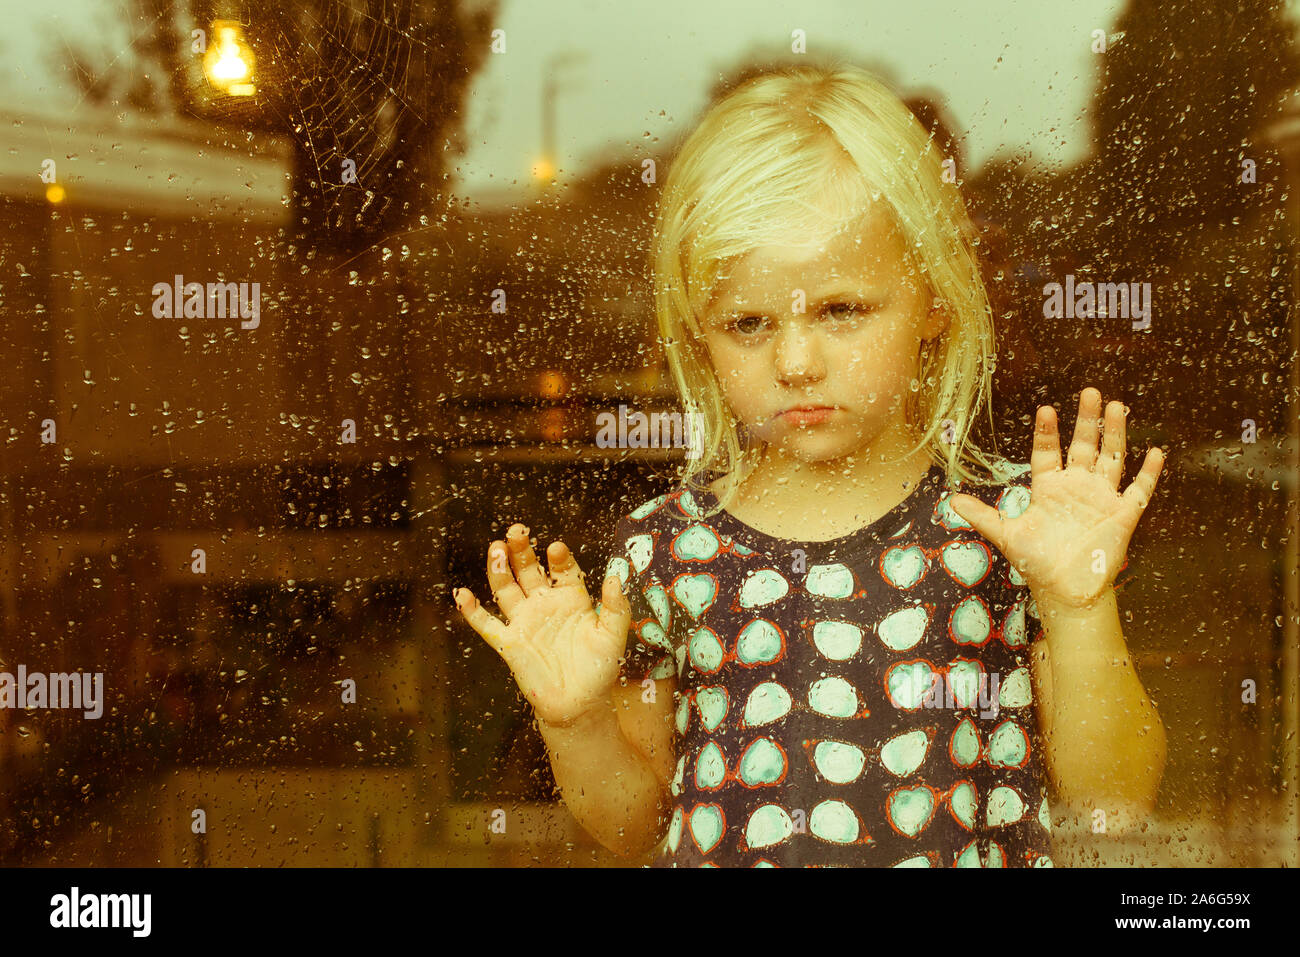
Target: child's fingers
(501, 580)
(524, 560)
(1087, 430)
(520, 657)
(1113, 444)
(1143, 486)
(985, 519)
(564, 567)
(1046, 456)
(615, 612)
(491, 628)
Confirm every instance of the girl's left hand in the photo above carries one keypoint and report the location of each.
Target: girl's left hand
(1070, 541)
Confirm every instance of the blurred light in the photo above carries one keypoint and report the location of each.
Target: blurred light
(544, 169)
(554, 425)
(552, 385)
(229, 61)
(55, 193)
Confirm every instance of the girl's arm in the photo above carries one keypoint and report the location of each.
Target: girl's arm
(1104, 741)
(611, 789)
(565, 655)
(1107, 745)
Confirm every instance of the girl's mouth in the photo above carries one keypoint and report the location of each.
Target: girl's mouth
(808, 416)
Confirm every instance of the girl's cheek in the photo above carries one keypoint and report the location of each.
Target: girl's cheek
(763, 432)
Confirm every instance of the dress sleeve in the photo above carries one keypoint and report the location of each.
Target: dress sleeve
(649, 647)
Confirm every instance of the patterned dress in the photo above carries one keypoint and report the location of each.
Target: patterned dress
(861, 702)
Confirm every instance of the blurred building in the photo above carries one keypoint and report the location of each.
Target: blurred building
(324, 560)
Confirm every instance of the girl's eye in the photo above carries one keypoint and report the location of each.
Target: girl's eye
(736, 325)
(848, 309)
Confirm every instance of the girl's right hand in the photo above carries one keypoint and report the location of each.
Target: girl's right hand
(565, 657)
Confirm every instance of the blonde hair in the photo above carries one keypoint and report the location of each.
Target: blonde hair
(742, 179)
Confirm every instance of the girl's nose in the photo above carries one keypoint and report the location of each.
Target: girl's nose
(798, 354)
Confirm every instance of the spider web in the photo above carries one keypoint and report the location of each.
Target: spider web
(369, 83)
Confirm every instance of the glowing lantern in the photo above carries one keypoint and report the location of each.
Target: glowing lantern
(229, 60)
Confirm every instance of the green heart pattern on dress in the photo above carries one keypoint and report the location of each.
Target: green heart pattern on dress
(689, 506)
(1015, 690)
(759, 642)
(966, 562)
(618, 565)
(652, 634)
(829, 581)
(698, 543)
(768, 825)
(695, 593)
(963, 803)
(762, 587)
(964, 677)
(1013, 629)
(1006, 806)
(1013, 501)
(839, 762)
(675, 830)
(712, 703)
(707, 653)
(646, 509)
(768, 702)
(656, 597)
(1008, 745)
(964, 746)
(710, 767)
(763, 763)
(946, 516)
(902, 629)
(908, 682)
(707, 825)
(904, 753)
(837, 640)
(640, 549)
(970, 623)
(969, 857)
(833, 697)
(835, 821)
(903, 565)
(910, 810)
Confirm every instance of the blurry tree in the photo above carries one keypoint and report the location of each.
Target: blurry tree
(1186, 191)
(1185, 89)
(374, 82)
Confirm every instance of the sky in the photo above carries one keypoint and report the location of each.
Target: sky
(1018, 81)
(1015, 75)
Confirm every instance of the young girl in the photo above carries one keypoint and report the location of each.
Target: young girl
(837, 658)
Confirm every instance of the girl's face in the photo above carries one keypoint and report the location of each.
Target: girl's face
(854, 351)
